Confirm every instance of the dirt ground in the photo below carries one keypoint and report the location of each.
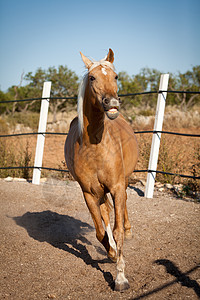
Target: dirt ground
(49, 249)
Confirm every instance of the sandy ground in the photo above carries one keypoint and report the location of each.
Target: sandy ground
(49, 249)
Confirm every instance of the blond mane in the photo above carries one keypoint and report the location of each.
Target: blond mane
(82, 86)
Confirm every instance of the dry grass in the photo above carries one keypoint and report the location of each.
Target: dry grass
(15, 155)
(174, 118)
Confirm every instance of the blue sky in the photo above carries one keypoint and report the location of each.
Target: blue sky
(145, 33)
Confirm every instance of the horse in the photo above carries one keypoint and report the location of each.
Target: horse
(101, 152)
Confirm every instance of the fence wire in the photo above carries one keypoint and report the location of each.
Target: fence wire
(63, 133)
(120, 95)
(135, 171)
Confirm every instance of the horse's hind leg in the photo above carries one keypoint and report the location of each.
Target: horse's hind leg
(127, 224)
(119, 196)
(105, 210)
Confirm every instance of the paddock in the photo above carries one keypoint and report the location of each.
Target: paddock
(49, 249)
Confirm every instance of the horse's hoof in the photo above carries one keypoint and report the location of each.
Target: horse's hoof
(120, 287)
(128, 234)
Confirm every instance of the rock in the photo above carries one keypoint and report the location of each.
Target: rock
(8, 179)
(19, 179)
(51, 296)
(42, 180)
(169, 186)
(178, 187)
(159, 184)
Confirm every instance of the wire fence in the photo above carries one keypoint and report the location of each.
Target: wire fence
(136, 132)
(120, 95)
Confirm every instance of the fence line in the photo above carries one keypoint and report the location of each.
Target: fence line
(136, 132)
(168, 132)
(135, 171)
(38, 99)
(162, 91)
(33, 133)
(120, 95)
(33, 167)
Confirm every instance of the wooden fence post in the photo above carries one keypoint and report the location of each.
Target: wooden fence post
(41, 128)
(153, 160)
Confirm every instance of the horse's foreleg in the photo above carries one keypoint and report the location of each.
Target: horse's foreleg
(104, 207)
(101, 234)
(121, 283)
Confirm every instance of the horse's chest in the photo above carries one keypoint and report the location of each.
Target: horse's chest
(98, 160)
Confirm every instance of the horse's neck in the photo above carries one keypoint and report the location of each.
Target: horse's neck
(93, 122)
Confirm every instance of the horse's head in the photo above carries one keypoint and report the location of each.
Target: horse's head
(102, 85)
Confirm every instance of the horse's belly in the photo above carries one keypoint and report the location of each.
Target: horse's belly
(130, 155)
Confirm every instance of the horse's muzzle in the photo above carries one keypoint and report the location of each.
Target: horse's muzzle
(111, 107)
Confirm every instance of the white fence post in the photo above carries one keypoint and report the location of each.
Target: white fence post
(41, 128)
(153, 160)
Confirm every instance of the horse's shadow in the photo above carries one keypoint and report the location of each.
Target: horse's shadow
(65, 233)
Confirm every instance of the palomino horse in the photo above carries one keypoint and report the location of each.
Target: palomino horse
(101, 152)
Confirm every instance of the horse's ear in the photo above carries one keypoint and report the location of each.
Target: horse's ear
(88, 63)
(110, 56)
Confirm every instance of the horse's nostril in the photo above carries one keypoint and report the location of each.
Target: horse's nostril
(114, 102)
(106, 101)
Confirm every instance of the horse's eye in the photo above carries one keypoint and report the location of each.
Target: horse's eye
(92, 78)
(116, 77)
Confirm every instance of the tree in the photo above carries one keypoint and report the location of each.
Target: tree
(129, 85)
(5, 108)
(146, 80)
(64, 84)
(149, 79)
(188, 81)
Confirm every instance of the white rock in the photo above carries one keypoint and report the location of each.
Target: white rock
(178, 187)
(43, 179)
(8, 178)
(159, 184)
(169, 186)
(19, 179)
